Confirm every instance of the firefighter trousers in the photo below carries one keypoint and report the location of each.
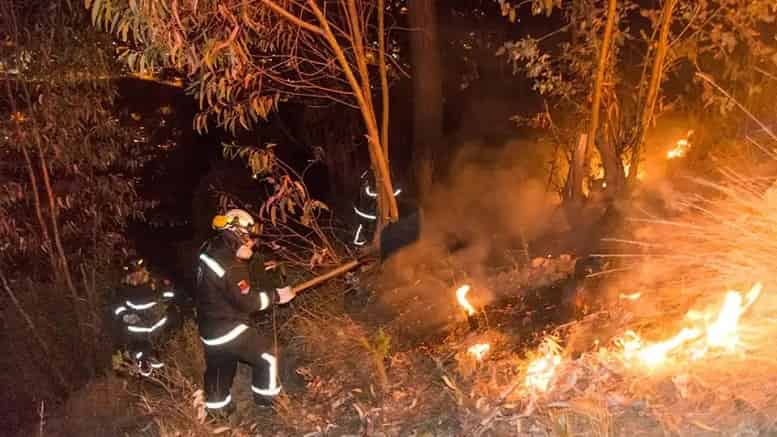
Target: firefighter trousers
(221, 360)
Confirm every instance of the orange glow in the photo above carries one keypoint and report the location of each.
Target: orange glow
(720, 333)
(539, 374)
(632, 296)
(479, 350)
(679, 150)
(461, 296)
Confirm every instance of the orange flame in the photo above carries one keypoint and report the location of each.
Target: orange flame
(540, 372)
(632, 296)
(461, 296)
(720, 334)
(479, 350)
(679, 150)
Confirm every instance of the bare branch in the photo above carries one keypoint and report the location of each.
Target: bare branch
(294, 20)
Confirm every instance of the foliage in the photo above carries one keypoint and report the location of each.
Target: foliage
(291, 220)
(69, 174)
(68, 127)
(538, 7)
(727, 39)
(242, 58)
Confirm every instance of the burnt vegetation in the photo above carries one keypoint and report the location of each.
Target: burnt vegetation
(598, 174)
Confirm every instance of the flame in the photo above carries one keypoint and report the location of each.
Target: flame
(656, 354)
(721, 334)
(461, 296)
(479, 350)
(540, 372)
(679, 150)
(632, 296)
(640, 172)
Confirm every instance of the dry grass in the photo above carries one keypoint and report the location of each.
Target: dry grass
(357, 383)
(723, 239)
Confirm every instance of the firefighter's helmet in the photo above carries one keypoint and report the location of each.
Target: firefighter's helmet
(134, 264)
(233, 218)
(135, 271)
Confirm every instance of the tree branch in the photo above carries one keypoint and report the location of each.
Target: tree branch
(599, 84)
(654, 88)
(384, 138)
(382, 174)
(293, 19)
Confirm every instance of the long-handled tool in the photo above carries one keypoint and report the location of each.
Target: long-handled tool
(393, 237)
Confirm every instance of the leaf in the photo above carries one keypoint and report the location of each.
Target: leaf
(123, 31)
(114, 22)
(131, 58)
(319, 204)
(548, 7)
(95, 11)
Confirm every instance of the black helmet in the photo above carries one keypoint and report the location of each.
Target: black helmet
(134, 264)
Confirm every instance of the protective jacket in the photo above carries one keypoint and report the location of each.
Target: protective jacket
(366, 210)
(142, 310)
(225, 294)
(226, 299)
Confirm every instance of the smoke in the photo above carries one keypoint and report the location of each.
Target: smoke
(479, 221)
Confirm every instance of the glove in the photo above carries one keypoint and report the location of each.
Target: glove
(130, 319)
(285, 295)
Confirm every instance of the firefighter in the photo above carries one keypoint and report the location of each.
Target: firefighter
(143, 309)
(366, 208)
(226, 300)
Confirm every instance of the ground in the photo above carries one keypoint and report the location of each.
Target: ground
(386, 352)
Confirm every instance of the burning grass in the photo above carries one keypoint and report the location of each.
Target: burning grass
(684, 347)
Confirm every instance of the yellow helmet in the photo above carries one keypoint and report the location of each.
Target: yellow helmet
(241, 217)
(220, 222)
(236, 217)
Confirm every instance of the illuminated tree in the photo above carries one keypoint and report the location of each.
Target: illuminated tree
(730, 40)
(243, 57)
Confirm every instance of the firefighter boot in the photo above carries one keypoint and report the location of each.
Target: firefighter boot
(222, 414)
(262, 401)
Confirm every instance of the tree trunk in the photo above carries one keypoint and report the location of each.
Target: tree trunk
(601, 70)
(577, 170)
(648, 107)
(360, 86)
(35, 189)
(65, 265)
(427, 91)
(387, 205)
(614, 173)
